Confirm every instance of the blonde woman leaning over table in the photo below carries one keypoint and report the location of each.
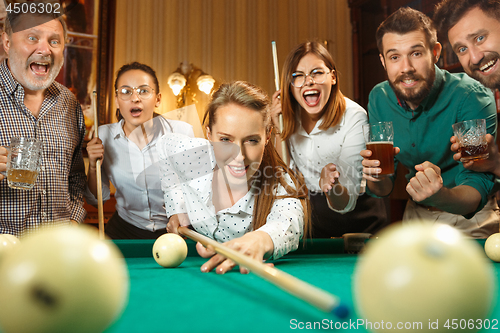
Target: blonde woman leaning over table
(234, 188)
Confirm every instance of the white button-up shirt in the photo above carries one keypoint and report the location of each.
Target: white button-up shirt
(339, 145)
(187, 166)
(135, 173)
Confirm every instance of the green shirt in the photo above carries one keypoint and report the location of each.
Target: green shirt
(424, 134)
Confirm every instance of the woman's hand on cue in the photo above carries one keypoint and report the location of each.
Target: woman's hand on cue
(95, 149)
(256, 244)
(176, 221)
(276, 109)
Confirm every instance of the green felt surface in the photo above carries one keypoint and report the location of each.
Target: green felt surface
(185, 300)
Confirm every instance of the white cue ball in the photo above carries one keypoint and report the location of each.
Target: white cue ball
(62, 279)
(423, 272)
(170, 250)
(492, 247)
(7, 243)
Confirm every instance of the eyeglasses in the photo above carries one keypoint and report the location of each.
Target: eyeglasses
(318, 76)
(125, 92)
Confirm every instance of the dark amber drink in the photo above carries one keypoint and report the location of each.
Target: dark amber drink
(474, 152)
(384, 152)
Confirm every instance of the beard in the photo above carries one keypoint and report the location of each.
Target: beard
(491, 81)
(417, 94)
(23, 74)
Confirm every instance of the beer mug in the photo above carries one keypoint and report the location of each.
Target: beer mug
(23, 162)
(379, 139)
(471, 138)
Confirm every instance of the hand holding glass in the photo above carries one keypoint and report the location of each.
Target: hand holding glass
(379, 139)
(471, 138)
(23, 162)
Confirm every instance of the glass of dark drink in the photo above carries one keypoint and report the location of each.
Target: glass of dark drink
(471, 138)
(379, 139)
(23, 162)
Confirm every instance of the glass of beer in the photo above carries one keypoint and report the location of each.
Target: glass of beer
(471, 138)
(23, 162)
(379, 139)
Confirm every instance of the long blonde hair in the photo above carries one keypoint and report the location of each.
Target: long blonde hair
(252, 97)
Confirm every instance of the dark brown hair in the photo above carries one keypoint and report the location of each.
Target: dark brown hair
(406, 20)
(449, 12)
(335, 106)
(145, 69)
(250, 96)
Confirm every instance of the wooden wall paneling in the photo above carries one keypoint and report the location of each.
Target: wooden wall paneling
(301, 20)
(341, 45)
(194, 36)
(281, 21)
(105, 58)
(206, 37)
(169, 58)
(240, 38)
(264, 70)
(157, 39)
(219, 41)
(230, 46)
(312, 18)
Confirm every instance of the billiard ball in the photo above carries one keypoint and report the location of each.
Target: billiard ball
(62, 279)
(422, 272)
(7, 243)
(170, 250)
(492, 247)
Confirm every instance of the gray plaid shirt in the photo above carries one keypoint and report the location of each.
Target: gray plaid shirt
(57, 195)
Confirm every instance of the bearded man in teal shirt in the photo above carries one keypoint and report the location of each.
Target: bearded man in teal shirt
(423, 102)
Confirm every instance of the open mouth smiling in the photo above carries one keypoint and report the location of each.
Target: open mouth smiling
(40, 68)
(486, 68)
(237, 171)
(311, 97)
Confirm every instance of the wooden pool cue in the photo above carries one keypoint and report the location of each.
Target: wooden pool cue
(292, 285)
(277, 84)
(100, 214)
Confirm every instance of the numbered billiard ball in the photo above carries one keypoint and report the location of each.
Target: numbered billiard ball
(492, 247)
(62, 279)
(170, 250)
(422, 273)
(7, 243)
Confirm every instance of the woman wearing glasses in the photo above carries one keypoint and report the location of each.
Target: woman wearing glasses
(323, 133)
(129, 156)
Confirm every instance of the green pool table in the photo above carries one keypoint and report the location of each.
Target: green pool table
(183, 299)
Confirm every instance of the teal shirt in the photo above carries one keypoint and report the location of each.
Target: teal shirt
(424, 133)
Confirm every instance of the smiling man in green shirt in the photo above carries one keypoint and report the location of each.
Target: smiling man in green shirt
(423, 102)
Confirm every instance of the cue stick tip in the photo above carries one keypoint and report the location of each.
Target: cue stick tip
(341, 311)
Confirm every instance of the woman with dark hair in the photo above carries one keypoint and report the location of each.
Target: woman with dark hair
(131, 159)
(234, 188)
(323, 132)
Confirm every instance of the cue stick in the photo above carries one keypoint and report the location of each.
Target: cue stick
(301, 289)
(100, 214)
(277, 84)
